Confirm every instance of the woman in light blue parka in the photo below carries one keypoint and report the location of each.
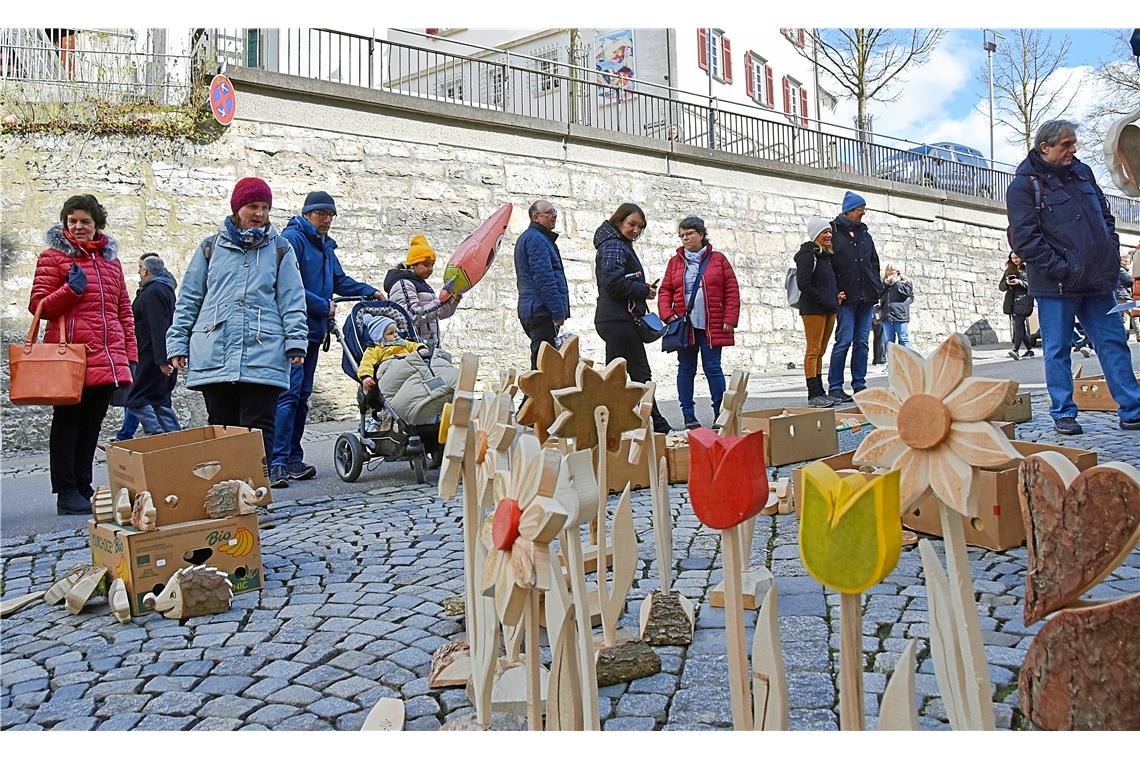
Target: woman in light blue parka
(240, 318)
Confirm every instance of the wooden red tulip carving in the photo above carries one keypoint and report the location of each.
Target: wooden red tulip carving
(728, 479)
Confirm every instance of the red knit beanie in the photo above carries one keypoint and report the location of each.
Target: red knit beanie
(250, 190)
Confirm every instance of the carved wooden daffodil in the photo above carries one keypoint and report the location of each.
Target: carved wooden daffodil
(454, 424)
(493, 437)
(850, 531)
(610, 388)
(931, 424)
(517, 535)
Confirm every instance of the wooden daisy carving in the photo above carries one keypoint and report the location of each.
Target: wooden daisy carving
(455, 447)
(932, 424)
(526, 519)
(557, 369)
(609, 388)
(493, 437)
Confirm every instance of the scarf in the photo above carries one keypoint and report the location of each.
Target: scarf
(692, 264)
(246, 239)
(94, 246)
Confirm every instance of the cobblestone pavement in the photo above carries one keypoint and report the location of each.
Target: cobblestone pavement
(352, 611)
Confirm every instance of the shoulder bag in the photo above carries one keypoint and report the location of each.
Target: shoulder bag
(43, 374)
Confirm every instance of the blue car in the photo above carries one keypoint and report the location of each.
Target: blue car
(945, 165)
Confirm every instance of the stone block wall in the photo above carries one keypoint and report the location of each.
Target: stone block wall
(400, 166)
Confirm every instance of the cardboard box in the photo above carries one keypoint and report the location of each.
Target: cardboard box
(999, 524)
(1018, 410)
(1091, 394)
(677, 458)
(185, 465)
(146, 560)
(793, 435)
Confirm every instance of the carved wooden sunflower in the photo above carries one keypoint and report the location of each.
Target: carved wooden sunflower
(609, 388)
(557, 369)
(517, 535)
(932, 424)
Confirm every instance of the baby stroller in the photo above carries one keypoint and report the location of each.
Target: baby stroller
(383, 434)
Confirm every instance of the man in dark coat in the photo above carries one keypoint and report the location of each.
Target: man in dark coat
(322, 276)
(148, 400)
(856, 264)
(544, 296)
(1060, 226)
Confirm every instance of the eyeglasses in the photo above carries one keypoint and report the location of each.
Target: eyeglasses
(689, 233)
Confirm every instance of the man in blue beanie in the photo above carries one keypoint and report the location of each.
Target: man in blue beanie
(322, 276)
(856, 265)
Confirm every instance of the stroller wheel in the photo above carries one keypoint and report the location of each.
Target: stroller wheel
(348, 457)
(418, 463)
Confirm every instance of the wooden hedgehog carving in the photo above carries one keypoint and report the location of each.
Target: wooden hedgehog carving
(193, 591)
(233, 497)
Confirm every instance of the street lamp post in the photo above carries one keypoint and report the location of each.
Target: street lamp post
(989, 44)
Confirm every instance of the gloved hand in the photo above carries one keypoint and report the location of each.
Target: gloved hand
(77, 279)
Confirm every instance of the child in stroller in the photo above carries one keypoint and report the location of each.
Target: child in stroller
(404, 386)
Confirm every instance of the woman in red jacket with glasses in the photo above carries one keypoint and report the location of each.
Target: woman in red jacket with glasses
(716, 311)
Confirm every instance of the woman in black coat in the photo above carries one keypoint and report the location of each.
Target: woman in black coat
(1018, 305)
(622, 293)
(819, 300)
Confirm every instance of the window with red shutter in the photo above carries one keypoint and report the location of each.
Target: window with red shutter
(787, 96)
(803, 107)
(749, 79)
(727, 60)
(703, 49)
(432, 31)
(800, 37)
(769, 89)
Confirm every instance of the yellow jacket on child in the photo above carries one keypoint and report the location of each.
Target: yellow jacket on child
(373, 355)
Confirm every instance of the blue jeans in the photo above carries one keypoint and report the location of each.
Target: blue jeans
(155, 419)
(852, 325)
(687, 373)
(897, 332)
(1106, 333)
(293, 408)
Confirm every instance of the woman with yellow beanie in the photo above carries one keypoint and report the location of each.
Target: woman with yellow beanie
(407, 285)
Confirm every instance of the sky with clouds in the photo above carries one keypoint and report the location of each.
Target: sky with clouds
(942, 100)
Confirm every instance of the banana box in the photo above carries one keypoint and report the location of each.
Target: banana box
(145, 560)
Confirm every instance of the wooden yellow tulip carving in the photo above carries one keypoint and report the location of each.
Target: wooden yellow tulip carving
(850, 531)
(850, 539)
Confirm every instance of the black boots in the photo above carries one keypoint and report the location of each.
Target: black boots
(817, 396)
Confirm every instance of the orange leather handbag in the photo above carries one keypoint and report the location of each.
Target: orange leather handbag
(46, 374)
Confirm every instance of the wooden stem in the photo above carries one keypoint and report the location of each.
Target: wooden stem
(977, 675)
(533, 664)
(475, 623)
(731, 542)
(572, 544)
(601, 422)
(747, 535)
(851, 662)
(662, 519)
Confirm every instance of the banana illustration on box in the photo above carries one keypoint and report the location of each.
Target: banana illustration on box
(240, 545)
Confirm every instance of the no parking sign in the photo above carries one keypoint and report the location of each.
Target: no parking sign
(222, 101)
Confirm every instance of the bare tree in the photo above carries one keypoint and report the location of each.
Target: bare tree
(862, 62)
(1026, 88)
(1118, 80)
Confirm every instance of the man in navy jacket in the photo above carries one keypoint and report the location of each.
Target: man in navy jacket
(856, 265)
(1060, 226)
(544, 296)
(323, 277)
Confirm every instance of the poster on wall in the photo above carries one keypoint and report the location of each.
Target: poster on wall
(613, 59)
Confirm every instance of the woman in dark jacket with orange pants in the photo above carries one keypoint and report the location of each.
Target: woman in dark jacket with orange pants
(80, 276)
(716, 311)
(819, 300)
(622, 292)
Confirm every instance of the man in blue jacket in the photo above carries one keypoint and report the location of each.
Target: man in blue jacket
(323, 277)
(856, 265)
(544, 297)
(1060, 226)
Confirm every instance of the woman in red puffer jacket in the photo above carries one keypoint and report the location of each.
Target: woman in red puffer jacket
(716, 312)
(80, 277)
